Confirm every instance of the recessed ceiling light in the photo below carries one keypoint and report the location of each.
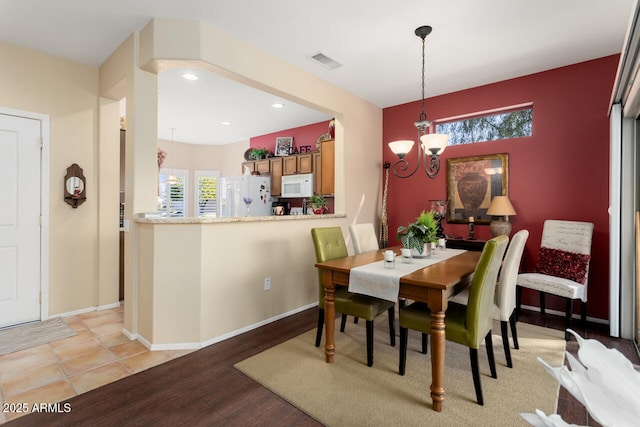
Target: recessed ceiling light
(278, 105)
(225, 123)
(189, 76)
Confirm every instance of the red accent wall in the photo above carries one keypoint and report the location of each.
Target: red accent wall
(302, 136)
(561, 172)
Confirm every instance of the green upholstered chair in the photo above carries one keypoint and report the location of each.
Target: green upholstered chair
(464, 324)
(329, 244)
(505, 297)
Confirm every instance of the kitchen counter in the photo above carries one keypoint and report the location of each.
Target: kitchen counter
(216, 220)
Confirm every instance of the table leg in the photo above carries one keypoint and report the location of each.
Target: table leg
(329, 315)
(437, 335)
(437, 302)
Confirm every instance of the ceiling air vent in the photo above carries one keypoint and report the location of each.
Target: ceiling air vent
(325, 61)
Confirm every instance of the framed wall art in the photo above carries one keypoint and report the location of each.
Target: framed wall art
(284, 145)
(471, 184)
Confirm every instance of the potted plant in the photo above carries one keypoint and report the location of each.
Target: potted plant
(259, 153)
(419, 235)
(318, 204)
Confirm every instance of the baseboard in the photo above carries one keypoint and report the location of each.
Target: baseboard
(563, 314)
(199, 345)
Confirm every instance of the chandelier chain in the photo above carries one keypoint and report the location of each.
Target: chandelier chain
(423, 116)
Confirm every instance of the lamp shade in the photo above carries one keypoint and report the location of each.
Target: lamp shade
(434, 143)
(401, 148)
(500, 206)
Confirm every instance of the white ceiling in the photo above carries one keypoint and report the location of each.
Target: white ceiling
(473, 43)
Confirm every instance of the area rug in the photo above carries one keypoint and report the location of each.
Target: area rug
(21, 337)
(348, 393)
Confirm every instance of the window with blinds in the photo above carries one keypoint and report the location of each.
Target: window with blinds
(172, 198)
(206, 198)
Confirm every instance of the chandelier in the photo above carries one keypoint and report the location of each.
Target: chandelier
(430, 145)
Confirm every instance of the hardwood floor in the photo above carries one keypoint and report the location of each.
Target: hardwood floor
(203, 388)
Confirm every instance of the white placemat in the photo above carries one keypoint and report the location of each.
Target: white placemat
(384, 283)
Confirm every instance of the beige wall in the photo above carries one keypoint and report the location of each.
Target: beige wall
(68, 93)
(224, 158)
(232, 260)
(81, 102)
(197, 157)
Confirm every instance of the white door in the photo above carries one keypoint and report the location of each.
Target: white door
(19, 219)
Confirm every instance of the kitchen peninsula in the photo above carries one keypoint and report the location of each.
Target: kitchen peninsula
(195, 274)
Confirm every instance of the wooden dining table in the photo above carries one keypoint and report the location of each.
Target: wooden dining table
(434, 285)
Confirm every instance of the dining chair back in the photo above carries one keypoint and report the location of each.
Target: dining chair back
(329, 244)
(562, 268)
(464, 324)
(505, 295)
(363, 237)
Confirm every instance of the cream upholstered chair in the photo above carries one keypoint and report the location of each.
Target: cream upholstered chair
(504, 302)
(505, 296)
(363, 237)
(563, 266)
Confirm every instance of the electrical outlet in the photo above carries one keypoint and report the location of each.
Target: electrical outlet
(267, 283)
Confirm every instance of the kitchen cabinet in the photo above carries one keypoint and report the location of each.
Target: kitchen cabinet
(317, 172)
(304, 163)
(276, 176)
(263, 166)
(289, 165)
(320, 163)
(327, 167)
(250, 165)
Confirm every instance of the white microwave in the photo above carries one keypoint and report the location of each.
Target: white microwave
(300, 185)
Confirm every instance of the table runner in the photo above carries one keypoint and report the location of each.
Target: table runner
(384, 283)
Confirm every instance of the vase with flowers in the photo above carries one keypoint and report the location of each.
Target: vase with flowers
(420, 234)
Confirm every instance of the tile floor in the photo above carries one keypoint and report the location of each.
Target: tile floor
(97, 355)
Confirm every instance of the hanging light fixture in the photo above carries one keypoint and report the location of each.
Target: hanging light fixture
(430, 145)
(172, 178)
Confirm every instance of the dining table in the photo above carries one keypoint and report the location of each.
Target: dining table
(433, 285)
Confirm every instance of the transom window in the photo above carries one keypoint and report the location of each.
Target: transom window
(504, 124)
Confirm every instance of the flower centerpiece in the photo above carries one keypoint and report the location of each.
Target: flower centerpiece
(419, 235)
(318, 204)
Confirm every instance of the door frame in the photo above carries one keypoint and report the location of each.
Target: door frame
(45, 127)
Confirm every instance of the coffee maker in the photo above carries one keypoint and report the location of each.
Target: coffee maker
(280, 208)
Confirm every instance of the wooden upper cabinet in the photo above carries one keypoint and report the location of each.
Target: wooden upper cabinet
(328, 165)
(250, 165)
(276, 176)
(289, 165)
(305, 163)
(317, 173)
(263, 166)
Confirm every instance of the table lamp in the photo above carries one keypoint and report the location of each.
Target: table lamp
(500, 207)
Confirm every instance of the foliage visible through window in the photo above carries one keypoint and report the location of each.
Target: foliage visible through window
(171, 198)
(513, 124)
(207, 193)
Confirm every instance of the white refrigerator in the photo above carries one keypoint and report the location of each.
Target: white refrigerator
(244, 195)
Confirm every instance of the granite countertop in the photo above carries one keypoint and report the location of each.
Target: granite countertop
(214, 220)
